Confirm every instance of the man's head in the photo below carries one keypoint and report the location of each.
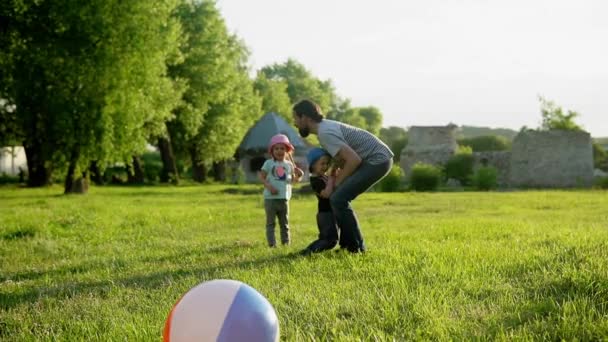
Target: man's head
(306, 114)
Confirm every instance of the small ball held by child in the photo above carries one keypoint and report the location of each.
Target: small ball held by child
(222, 310)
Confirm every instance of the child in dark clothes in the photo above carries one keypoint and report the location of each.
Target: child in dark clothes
(322, 184)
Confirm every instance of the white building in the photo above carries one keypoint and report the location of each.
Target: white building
(11, 159)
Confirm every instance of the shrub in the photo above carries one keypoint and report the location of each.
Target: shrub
(425, 177)
(485, 178)
(602, 182)
(152, 166)
(8, 179)
(392, 181)
(487, 143)
(460, 166)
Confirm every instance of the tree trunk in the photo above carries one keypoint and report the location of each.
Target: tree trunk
(169, 171)
(39, 173)
(135, 174)
(72, 185)
(95, 173)
(219, 171)
(199, 171)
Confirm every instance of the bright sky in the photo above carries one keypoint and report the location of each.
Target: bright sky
(432, 62)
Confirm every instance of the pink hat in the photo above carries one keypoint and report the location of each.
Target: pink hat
(280, 139)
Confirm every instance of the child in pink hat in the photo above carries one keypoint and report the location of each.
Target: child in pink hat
(277, 174)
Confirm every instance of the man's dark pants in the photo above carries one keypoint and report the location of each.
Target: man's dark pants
(357, 183)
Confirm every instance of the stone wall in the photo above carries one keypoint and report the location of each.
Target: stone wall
(431, 144)
(551, 159)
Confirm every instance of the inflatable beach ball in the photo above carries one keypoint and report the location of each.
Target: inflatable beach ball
(222, 310)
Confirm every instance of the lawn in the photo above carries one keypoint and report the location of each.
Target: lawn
(441, 266)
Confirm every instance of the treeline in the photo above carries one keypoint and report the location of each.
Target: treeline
(88, 84)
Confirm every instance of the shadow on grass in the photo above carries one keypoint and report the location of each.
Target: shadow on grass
(241, 191)
(155, 280)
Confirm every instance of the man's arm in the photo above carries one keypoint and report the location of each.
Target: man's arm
(351, 163)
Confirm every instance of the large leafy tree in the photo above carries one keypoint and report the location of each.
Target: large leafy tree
(274, 96)
(368, 118)
(88, 79)
(301, 83)
(219, 103)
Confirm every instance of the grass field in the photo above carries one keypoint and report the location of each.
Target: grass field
(109, 265)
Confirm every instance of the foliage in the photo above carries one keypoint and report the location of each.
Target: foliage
(8, 179)
(485, 178)
(88, 79)
(152, 166)
(367, 118)
(466, 132)
(395, 138)
(600, 157)
(274, 96)
(460, 166)
(393, 181)
(425, 177)
(218, 108)
(554, 117)
(602, 182)
(486, 143)
(301, 83)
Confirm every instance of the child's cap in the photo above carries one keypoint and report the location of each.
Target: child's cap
(315, 154)
(280, 139)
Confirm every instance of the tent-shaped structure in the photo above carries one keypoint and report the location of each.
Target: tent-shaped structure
(253, 150)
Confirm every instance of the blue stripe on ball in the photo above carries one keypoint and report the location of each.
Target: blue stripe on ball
(250, 318)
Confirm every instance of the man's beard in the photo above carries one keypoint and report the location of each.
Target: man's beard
(304, 132)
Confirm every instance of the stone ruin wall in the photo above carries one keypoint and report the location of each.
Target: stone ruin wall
(432, 145)
(555, 159)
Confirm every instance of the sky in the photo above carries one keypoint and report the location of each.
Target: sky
(434, 62)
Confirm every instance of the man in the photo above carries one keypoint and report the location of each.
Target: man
(366, 160)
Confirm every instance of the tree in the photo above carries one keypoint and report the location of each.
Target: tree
(274, 96)
(88, 80)
(553, 117)
(486, 143)
(372, 118)
(219, 103)
(396, 138)
(301, 83)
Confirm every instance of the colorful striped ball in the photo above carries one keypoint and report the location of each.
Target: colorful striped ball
(222, 310)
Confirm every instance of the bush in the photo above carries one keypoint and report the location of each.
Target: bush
(425, 177)
(487, 143)
(8, 179)
(460, 166)
(152, 165)
(393, 180)
(485, 178)
(602, 182)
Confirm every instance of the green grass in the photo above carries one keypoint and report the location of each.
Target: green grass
(441, 266)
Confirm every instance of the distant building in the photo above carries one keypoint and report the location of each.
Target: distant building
(12, 158)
